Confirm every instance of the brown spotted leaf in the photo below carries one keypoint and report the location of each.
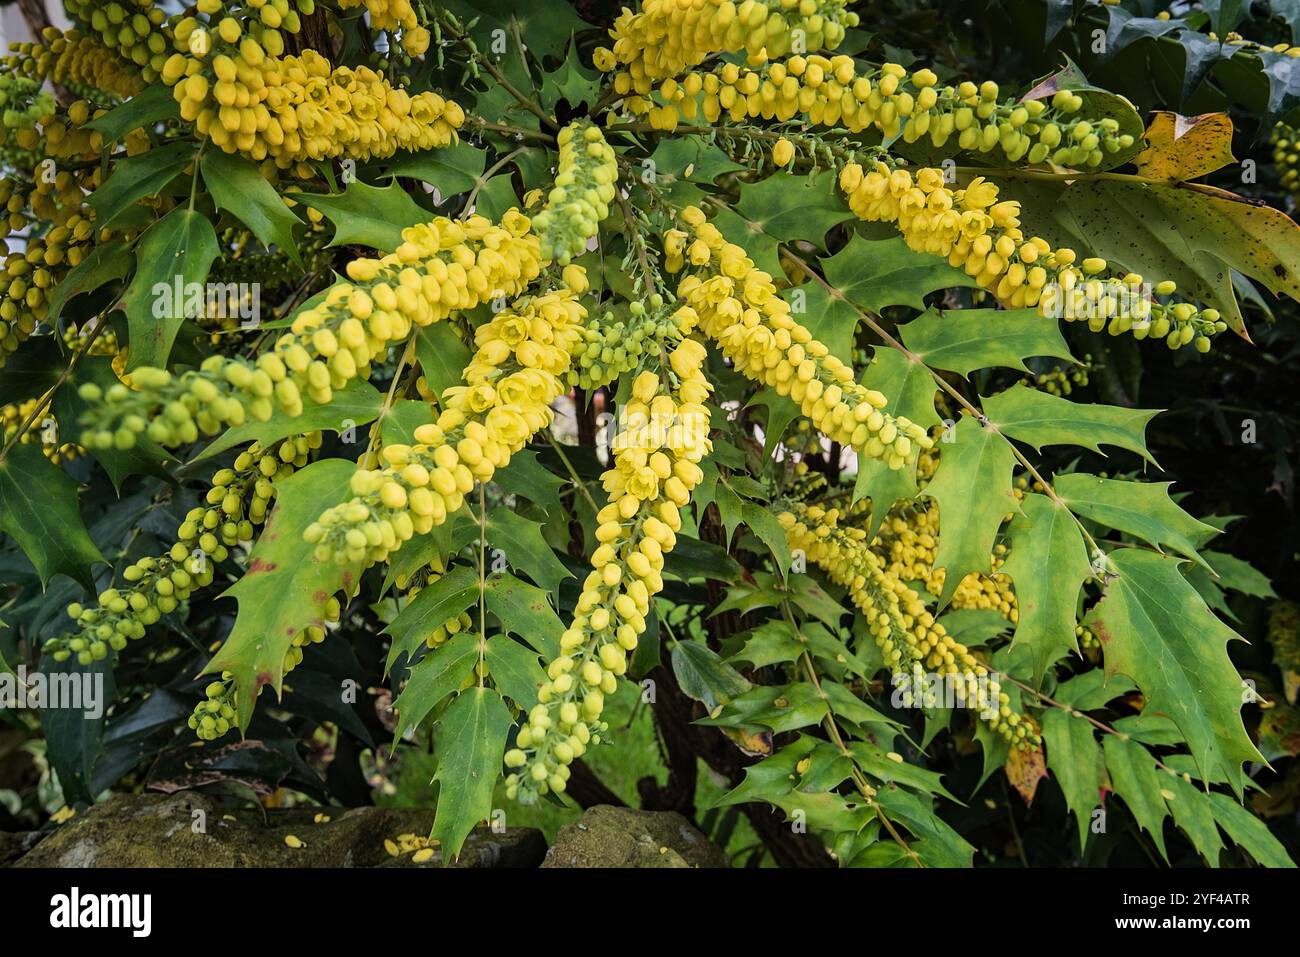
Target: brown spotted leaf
(1025, 768)
(1181, 148)
(286, 588)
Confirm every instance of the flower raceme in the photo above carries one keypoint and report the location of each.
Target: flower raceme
(518, 370)
(907, 634)
(440, 268)
(975, 231)
(666, 36)
(739, 308)
(655, 466)
(584, 187)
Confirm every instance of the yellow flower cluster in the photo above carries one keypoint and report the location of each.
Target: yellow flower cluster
(584, 188)
(517, 371)
(1286, 158)
(655, 466)
(829, 91)
(292, 109)
(666, 36)
(72, 57)
(441, 267)
(44, 431)
(739, 308)
(908, 542)
(975, 231)
(132, 29)
(909, 638)
(393, 15)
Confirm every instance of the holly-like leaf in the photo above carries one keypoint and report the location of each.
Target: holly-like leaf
(963, 340)
(435, 605)
(516, 670)
(286, 587)
(788, 207)
(103, 264)
(136, 177)
(525, 610)
(150, 106)
(1133, 776)
(972, 486)
(367, 215)
(1075, 761)
(885, 272)
(443, 356)
(431, 679)
(1194, 816)
(1143, 509)
(38, 510)
(528, 477)
(451, 170)
(763, 523)
(1184, 147)
(1048, 563)
(571, 82)
(470, 742)
(519, 542)
(777, 708)
(1040, 419)
(1157, 630)
(1249, 832)
(910, 388)
(704, 677)
(172, 260)
(355, 405)
(237, 186)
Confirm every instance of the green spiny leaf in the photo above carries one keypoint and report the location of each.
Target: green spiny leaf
(1040, 419)
(964, 340)
(470, 741)
(39, 511)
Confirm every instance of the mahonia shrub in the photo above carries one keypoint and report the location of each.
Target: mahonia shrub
(408, 388)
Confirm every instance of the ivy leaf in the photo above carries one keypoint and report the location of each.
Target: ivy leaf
(1048, 563)
(356, 404)
(1040, 419)
(788, 207)
(1143, 509)
(1133, 775)
(1184, 147)
(470, 742)
(39, 511)
(286, 588)
(104, 263)
(521, 544)
(136, 177)
(452, 169)
(885, 272)
(1074, 759)
(175, 254)
(238, 187)
(963, 340)
(972, 486)
(431, 679)
(443, 356)
(367, 215)
(525, 610)
(434, 606)
(1157, 630)
(516, 670)
(910, 389)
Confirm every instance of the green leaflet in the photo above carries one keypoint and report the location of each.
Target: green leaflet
(910, 388)
(356, 404)
(1040, 419)
(972, 486)
(517, 541)
(1143, 509)
(470, 741)
(431, 679)
(1133, 776)
(704, 677)
(151, 105)
(1156, 629)
(453, 169)
(1248, 831)
(1091, 690)
(1048, 563)
(173, 258)
(526, 476)
(776, 708)
(367, 215)
(39, 511)
(1195, 817)
(239, 188)
(963, 340)
(885, 272)
(286, 588)
(136, 177)
(443, 356)
(434, 606)
(104, 263)
(515, 670)
(524, 610)
(1075, 761)
(788, 207)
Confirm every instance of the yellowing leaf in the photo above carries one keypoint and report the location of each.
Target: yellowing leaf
(1180, 147)
(1025, 768)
